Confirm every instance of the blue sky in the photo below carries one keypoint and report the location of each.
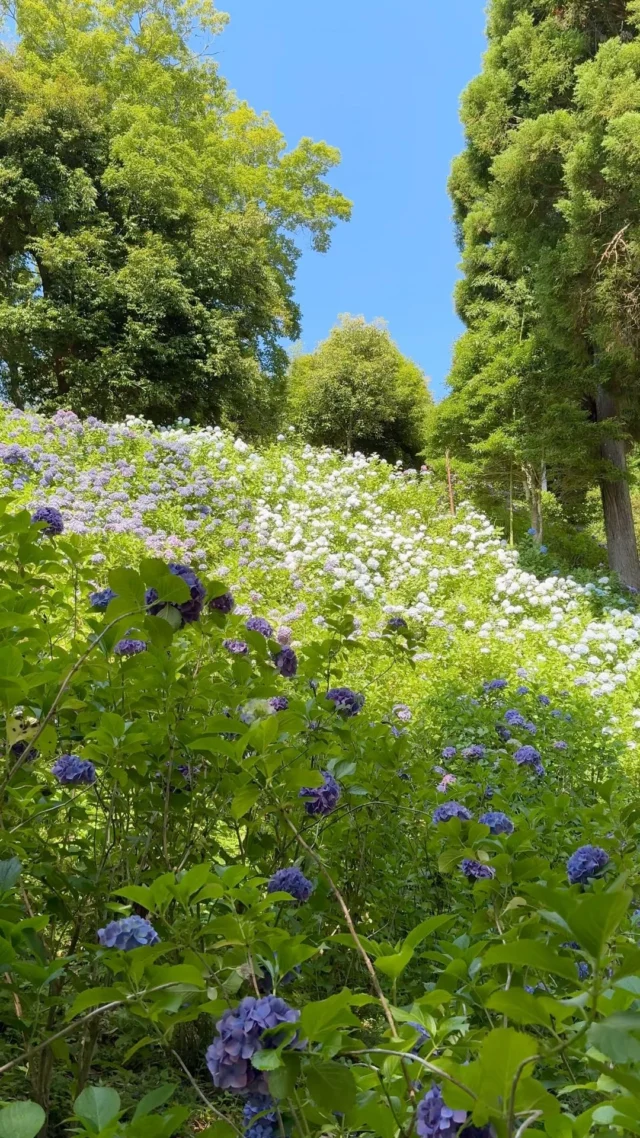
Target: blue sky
(382, 82)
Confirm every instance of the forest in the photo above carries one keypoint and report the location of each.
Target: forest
(319, 698)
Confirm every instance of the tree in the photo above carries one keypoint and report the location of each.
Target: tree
(358, 392)
(532, 218)
(147, 219)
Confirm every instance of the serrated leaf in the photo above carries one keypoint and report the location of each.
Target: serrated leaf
(531, 954)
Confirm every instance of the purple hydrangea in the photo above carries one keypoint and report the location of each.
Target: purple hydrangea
(265, 1125)
(346, 701)
(446, 781)
(126, 647)
(19, 747)
(423, 1035)
(236, 647)
(451, 810)
(474, 752)
(128, 933)
(396, 623)
(497, 822)
(189, 610)
(503, 732)
(286, 662)
(225, 603)
(514, 718)
(586, 862)
(434, 1119)
(52, 517)
(284, 635)
(101, 599)
(531, 728)
(321, 799)
(494, 685)
(240, 1035)
(449, 752)
(475, 870)
(278, 703)
(522, 690)
(544, 700)
(560, 745)
(527, 756)
(73, 771)
(259, 624)
(291, 881)
(402, 712)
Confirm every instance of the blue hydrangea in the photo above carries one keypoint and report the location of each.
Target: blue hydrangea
(259, 1117)
(101, 599)
(475, 870)
(560, 745)
(70, 770)
(474, 752)
(503, 732)
(522, 690)
(346, 701)
(291, 881)
(286, 662)
(127, 647)
(53, 518)
(236, 647)
(240, 1035)
(527, 756)
(449, 753)
(259, 624)
(189, 610)
(514, 718)
(20, 746)
(396, 624)
(225, 603)
(494, 685)
(544, 700)
(402, 712)
(128, 933)
(451, 810)
(321, 799)
(423, 1035)
(497, 822)
(586, 862)
(531, 728)
(278, 703)
(434, 1119)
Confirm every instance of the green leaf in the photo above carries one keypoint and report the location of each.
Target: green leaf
(531, 954)
(503, 1050)
(11, 662)
(615, 1037)
(7, 952)
(244, 800)
(316, 1017)
(266, 1060)
(92, 998)
(21, 1120)
(154, 1099)
(128, 585)
(395, 963)
(220, 1129)
(596, 918)
(9, 873)
(97, 1105)
(330, 1084)
(519, 1006)
(425, 928)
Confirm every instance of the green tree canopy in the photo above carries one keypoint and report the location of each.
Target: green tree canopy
(358, 392)
(148, 218)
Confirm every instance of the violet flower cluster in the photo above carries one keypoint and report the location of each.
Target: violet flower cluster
(586, 862)
(70, 770)
(128, 933)
(240, 1035)
(291, 881)
(323, 799)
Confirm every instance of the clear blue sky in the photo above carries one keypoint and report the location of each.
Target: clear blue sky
(382, 82)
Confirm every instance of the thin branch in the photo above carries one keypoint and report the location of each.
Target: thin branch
(416, 1059)
(207, 1102)
(528, 1122)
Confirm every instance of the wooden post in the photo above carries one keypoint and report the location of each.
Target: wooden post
(452, 505)
(511, 505)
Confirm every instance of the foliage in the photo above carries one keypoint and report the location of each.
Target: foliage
(147, 244)
(358, 392)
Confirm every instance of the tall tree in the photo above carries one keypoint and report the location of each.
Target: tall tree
(147, 218)
(530, 205)
(358, 392)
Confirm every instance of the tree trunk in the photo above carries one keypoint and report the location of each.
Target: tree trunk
(622, 548)
(533, 491)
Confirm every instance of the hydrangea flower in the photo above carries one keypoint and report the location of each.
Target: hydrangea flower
(101, 599)
(284, 635)
(286, 662)
(503, 732)
(225, 603)
(527, 756)
(522, 690)
(475, 870)
(321, 799)
(402, 712)
(291, 881)
(236, 647)
(449, 752)
(126, 647)
(240, 1035)
(346, 701)
(53, 518)
(531, 728)
(278, 703)
(264, 1126)
(128, 933)
(451, 810)
(396, 623)
(497, 822)
(514, 718)
(422, 1033)
(474, 752)
(447, 780)
(544, 700)
(434, 1119)
(259, 624)
(494, 685)
(70, 770)
(560, 745)
(189, 610)
(19, 747)
(586, 862)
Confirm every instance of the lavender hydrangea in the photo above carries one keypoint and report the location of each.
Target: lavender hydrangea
(449, 752)
(70, 770)
(127, 647)
(402, 712)
(278, 703)
(451, 810)
(586, 862)
(291, 881)
(503, 732)
(225, 603)
(475, 870)
(396, 624)
(446, 781)
(236, 647)
(101, 599)
(240, 1036)
(494, 685)
(53, 518)
(522, 690)
(346, 701)
(531, 728)
(259, 1117)
(527, 756)
(321, 799)
(497, 822)
(259, 624)
(544, 700)
(434, 1119)
(514, 718)
(560, 745)
(128, 933)
(189, 610)
(286, 662)
(474, 752)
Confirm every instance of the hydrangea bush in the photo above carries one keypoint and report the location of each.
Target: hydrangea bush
(328, 899)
